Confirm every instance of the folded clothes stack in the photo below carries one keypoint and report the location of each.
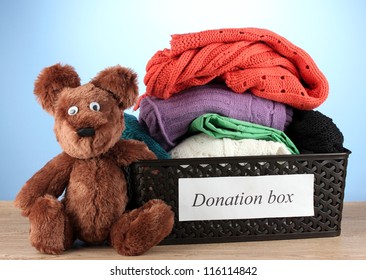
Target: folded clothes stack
(238, 92)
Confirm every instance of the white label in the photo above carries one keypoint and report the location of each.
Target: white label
(222, 198)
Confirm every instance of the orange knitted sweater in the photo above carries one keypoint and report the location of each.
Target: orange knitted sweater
(247, 58)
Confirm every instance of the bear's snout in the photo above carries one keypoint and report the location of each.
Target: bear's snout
(86, 131)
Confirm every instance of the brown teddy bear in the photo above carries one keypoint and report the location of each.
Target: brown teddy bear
(88, 125)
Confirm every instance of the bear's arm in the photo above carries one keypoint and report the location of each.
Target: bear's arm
(128, 151)
(51, 179)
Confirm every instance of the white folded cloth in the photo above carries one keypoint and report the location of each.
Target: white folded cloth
(203, 145)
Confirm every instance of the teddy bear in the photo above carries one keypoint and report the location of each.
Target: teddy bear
(88, 174)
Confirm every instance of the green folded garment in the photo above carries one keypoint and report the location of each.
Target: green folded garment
(223, 127)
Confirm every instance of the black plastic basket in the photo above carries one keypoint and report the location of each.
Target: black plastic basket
(159, 179)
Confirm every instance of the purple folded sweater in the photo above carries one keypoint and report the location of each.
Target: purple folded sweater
(168, 120)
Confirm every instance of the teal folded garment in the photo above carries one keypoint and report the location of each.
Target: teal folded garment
(134, 130)
(223, 127)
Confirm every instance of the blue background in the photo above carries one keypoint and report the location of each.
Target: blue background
(91, 35)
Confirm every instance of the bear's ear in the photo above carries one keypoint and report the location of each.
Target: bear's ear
(51, 81)
(121, 82)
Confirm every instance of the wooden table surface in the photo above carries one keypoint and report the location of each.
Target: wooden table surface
(351, 244)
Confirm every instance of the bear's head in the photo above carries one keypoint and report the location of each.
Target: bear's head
(88, 118)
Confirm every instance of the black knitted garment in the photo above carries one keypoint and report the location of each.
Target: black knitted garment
(313, 132)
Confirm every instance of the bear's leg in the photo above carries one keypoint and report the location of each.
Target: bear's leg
(50, 229)
(139, 230)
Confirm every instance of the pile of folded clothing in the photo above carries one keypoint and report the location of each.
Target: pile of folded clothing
(236, 92)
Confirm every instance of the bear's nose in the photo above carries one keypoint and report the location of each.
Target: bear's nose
(86, 132)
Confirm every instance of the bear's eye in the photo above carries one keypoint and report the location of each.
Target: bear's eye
(73, 110)
(94, 106)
